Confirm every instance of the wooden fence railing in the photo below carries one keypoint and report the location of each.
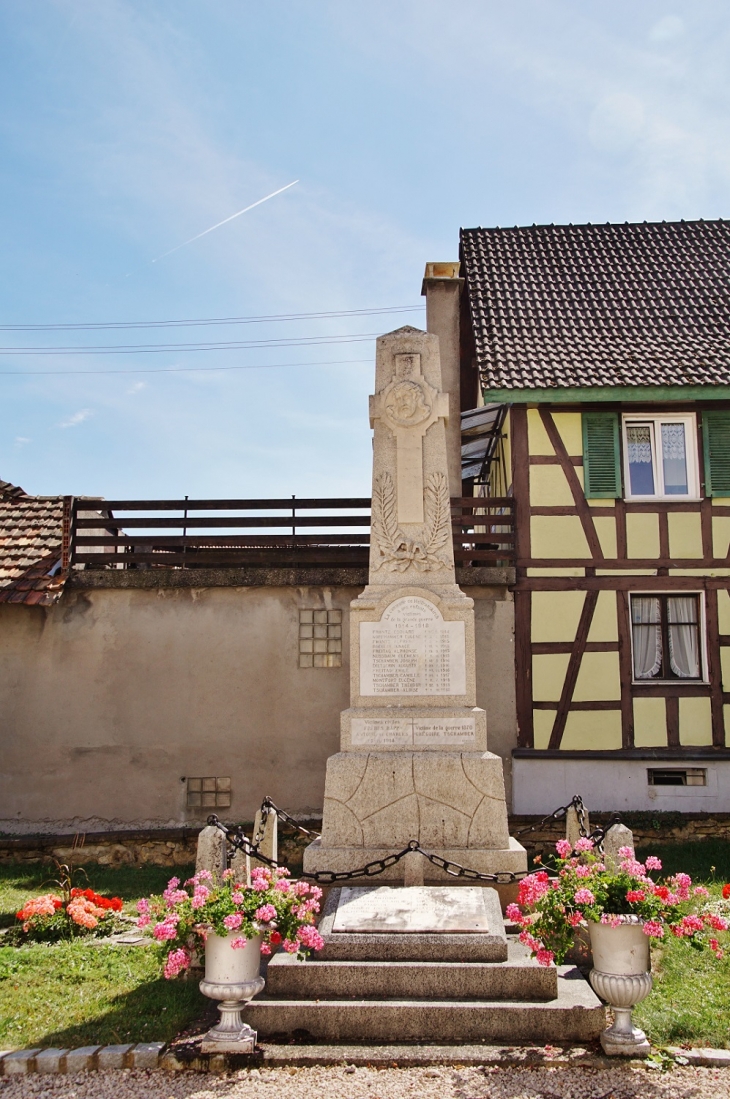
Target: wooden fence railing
(286, 533)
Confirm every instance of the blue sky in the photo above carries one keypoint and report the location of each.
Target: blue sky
(129, 126)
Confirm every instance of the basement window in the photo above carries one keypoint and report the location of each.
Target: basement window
(677, 776)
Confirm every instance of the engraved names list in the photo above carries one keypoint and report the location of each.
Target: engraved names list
(412, 651)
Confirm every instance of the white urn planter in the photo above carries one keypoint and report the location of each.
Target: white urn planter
(622, 978)
(231, 976)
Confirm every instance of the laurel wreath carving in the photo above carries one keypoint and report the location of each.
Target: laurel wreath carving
(392, 547)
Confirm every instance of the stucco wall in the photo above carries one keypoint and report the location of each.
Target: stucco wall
(112, 697)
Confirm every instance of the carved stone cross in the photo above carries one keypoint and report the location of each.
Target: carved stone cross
(409, 406)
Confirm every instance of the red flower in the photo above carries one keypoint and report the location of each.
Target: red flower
(726, 891)
(275, 937)
(661, 891)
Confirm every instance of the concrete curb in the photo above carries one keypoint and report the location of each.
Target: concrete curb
(156, 1055)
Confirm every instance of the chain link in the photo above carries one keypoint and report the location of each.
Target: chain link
(238, 839)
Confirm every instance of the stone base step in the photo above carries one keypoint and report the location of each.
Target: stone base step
(576, 1014)
(520, 978)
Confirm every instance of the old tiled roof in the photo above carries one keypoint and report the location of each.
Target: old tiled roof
(30, 546)
(600, 305)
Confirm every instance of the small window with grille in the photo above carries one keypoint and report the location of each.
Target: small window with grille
(666, 637)
(320, 639)
(677, 776)
(208, 793)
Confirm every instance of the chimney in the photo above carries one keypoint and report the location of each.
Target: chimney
(442, 290)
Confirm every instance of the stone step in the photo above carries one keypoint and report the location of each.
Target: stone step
(576, 1014)
(519, 978)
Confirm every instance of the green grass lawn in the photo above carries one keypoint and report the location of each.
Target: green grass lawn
(82, 992)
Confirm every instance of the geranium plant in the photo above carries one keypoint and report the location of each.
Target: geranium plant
(583, 890)
(280, 910)
(65, 915)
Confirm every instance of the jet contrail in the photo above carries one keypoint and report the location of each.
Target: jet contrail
(225, 221)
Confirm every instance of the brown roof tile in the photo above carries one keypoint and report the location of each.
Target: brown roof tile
(30, 546)
(600, 305)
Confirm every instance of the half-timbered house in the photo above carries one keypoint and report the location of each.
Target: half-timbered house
(607, 349)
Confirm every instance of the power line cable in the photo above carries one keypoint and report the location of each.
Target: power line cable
(156, 349)
(192, 322)
(179, 369)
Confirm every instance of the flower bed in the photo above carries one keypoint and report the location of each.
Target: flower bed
(53, 916)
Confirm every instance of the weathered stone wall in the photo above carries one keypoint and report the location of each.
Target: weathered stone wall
(134, 683)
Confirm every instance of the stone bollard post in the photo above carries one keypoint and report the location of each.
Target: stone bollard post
(269, 846)
(241, 866)
(211, 854)
(572, 825)
(617, 836)
(413, 869)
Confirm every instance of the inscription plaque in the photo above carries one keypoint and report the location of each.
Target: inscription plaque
(407, 732)
(424, 909)
(412, 651)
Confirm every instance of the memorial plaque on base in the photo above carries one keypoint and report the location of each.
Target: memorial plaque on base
(412, 651)
(420, 909)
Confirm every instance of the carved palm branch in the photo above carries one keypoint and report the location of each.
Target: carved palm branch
(438, 509)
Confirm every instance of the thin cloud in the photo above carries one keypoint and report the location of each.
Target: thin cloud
(137, 387)
(20, 440)
(77, 418)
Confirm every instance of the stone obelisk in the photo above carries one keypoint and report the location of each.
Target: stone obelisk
(413, 762)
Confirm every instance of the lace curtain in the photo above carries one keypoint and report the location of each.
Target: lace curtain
(647, 629)
(641, 467)
(684, 649)
(674, 459)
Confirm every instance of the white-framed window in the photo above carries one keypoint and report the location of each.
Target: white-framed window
(668, 637)
(660, 457)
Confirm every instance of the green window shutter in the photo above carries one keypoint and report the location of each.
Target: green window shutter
(716, 446)
(601, 455)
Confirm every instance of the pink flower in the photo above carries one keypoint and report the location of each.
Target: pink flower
(227, 874)
(574, 919)
(611, 919)
(584, 896)
(584, 844)
(634, 895)
(626, 852)
(143, 921)
(300, 888)
(265, 948)
(530, 941)
(544, 957)
(266, 912)
(261, 873)
(237, 897)
(700, 891)
(717, 923)
(315, 892)
(203, 875)
(282, 886)
(564, 848)
(177, 960)
(164, 931)
(514, 912)
(634, 868)
(143, 907)
(290, 946)
(653, 863)
(238, 943)
(259, 885)
(309, 936)
(173, 883)
(654, 929)
(583, 871)
(233, 922)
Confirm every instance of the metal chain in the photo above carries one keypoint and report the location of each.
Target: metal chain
(371, 869)
(267, 806)
(557, 814)
(237, 838)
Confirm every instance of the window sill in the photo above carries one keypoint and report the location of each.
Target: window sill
(662, 499)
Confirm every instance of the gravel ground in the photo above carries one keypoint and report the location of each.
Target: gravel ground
(621, 1082)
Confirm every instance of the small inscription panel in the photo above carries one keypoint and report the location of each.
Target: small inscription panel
(430, 910)
(409, 732)
(412, 651)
